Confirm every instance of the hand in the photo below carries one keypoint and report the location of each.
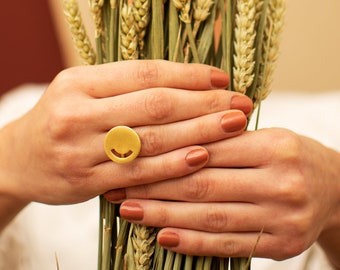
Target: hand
(271, 179)
(55, 153)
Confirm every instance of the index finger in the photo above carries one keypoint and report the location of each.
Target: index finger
(123, 77)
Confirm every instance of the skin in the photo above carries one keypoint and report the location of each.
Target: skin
(54, 154)
(289, 188)
(236, 185)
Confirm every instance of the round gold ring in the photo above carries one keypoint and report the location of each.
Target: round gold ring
(122, 144)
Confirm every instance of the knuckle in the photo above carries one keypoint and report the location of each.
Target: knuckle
(147, 73)
(135, 173)
(293, 190)
(152, 144)
(215, 100)
(158, 105)
(197, 188)
(162, 217)
(69, 166)
(66, 78)
(288, 145)
(229, 248)
(59, 123)
(215, 220)
(197, 74)
(203, 131)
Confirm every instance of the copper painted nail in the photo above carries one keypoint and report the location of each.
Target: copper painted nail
(219, 79)
(197, 157)
(131, 211)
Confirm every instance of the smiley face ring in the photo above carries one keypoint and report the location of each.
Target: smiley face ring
(122, 144)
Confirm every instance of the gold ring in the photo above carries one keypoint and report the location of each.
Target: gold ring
(122, 144)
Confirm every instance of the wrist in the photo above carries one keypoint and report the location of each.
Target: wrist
(329, 238)
(10, 203)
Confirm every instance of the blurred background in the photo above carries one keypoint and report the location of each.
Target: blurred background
(36, 44)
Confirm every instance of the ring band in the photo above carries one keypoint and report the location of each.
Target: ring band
(122, 144)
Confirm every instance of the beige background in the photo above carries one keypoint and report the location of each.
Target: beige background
(310, 54)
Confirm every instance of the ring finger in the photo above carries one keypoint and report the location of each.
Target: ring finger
(161, 139)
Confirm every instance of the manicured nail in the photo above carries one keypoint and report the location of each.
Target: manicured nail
(131, 211)
(115, 195)
(242, 103)
(219, 79)
(197, 157)
(168, 239)
(233, 121)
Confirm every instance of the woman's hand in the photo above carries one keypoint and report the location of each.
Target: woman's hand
(54, 154)
(271, 180)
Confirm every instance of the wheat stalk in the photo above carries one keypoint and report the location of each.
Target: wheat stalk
(143, 242)
(184, 7)
(141, 11)
(245, 33)
(201, 13)
(128, 36)
(96, 9)
(271, 45)
(79, 36)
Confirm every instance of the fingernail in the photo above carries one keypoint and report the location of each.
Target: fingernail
(115, 195)
(242, 103)
(168, 239)
(131, 211)
(197, 157)
(233, 121)
(219, 79)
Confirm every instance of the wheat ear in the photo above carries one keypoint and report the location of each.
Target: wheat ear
(184, 7)
(201, 13)
(96, 9)
(142, 17)
(245, 33)
(79, 36)
(128, 35)
(143, 243)
(271, 47)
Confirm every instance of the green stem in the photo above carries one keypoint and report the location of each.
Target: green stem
(99, 48)
(113, 35)
(228, 27)
(174, 32)
(192, 42)
(157, 31)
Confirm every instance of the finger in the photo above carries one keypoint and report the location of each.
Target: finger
(207, 185)
(126, 76)
(251, 149)
(223, 245)
(165, 138)
(164, 105)
(208, 217)
(109, 175)
(157, 140)
(208, 128)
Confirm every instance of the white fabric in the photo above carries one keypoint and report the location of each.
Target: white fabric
(40, 233)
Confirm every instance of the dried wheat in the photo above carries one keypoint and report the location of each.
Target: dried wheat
(96, 9)
(201, 13)
(184, 7)
(142, 17)
(244, 45)
(128, 35)
(113, 4)
(143, 243)
(79, 36)
(271, 44)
